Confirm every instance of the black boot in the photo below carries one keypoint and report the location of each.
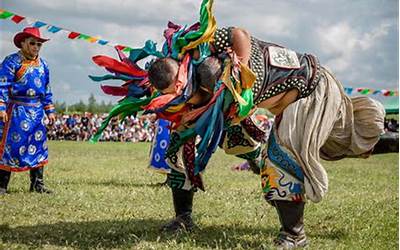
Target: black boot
(254, 166)
(292, 233)
(183, 203)
(4, 179)
(37, 182)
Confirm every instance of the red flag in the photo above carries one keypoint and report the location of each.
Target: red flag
(73, 35)
(17, 19)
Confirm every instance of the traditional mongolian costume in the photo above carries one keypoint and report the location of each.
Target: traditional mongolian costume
(26, 96)
(323, 122)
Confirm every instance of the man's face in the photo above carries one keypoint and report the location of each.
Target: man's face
(31, 47)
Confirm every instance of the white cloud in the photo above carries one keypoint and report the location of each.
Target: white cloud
(339, 38)
(371, 38)
(343, 45)
(360, 46)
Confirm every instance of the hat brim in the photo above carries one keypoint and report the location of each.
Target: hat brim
(18, 38)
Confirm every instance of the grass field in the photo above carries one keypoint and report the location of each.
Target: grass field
(107, 198)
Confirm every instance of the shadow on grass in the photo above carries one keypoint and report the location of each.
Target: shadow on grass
(125, 233)
(112, 183)
(128, 233)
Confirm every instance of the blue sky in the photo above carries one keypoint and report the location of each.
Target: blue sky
(358, 40)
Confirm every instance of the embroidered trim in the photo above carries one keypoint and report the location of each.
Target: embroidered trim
(282, 160)
(5, 131)
(21, 169)
(236, 137)
(253, 130)
(176, 179)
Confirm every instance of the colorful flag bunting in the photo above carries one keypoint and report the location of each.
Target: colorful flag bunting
(54, 29)
(76, 35)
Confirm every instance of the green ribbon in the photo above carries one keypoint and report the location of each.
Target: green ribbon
(195, 34)
(247, 95)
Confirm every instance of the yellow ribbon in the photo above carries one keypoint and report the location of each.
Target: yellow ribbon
(247, 75)
(174, 109)
(208, 34)
(226, 78)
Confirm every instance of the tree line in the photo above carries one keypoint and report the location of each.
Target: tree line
(91, 106)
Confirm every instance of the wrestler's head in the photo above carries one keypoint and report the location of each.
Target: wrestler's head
(163, 73)
(208, 73)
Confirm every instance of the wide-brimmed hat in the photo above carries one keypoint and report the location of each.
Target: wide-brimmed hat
(28, 32)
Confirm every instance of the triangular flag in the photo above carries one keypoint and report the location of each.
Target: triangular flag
(17, 19)
(102, 42)
(73, 35)
(5, 15)
(39, 24)
(83, 36)
(92, 39)
(53, 29)
(29, 20)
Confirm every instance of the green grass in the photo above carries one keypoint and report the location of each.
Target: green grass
(107, 198)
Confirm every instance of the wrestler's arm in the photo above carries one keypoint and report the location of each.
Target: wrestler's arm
(241, 44)
(277, 104)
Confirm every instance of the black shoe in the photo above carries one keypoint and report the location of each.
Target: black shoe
(287, 241)
(183, 203)
(3, 191)
(4, 179)
(292, 234)
(180, 223)
(37, 182)
(40, 189)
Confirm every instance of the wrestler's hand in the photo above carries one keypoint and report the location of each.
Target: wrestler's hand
(3, 116)
(51, 117)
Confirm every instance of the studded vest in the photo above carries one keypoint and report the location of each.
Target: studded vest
(277, 69)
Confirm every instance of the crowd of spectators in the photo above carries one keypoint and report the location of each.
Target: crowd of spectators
(80, 127)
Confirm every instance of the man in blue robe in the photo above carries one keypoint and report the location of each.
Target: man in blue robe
(25, 100)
